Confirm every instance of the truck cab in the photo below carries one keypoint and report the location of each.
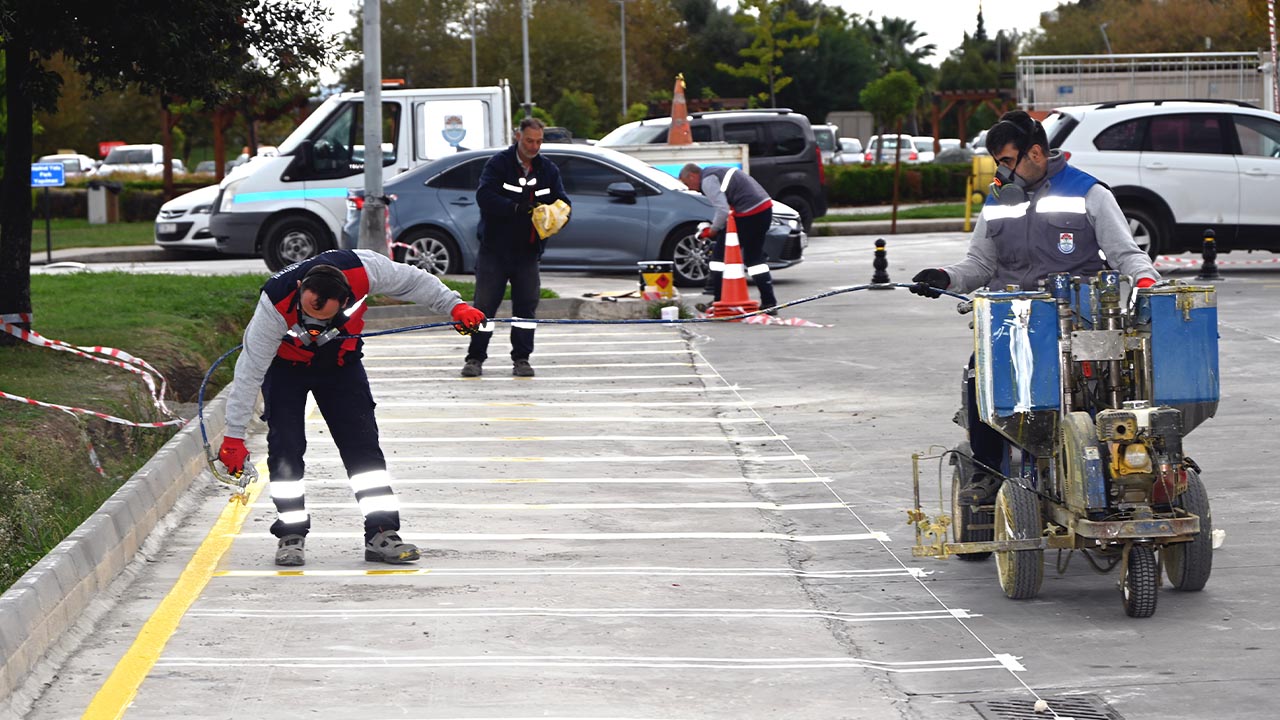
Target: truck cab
(290, 207)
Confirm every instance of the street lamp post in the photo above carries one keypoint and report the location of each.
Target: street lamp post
(524, 35)
(622, 7)
(473, 48)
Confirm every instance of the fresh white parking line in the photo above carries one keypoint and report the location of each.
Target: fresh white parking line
(578, 570)
(594, 420)
(541, 343)
(468, 537)
(622, 459)
(453, 368)
(347, 614)
(456, 438)
(566, 507)
(581, 353)
(562, 403)
(646, 480)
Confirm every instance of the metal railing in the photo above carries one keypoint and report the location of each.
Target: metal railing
(1049, 81)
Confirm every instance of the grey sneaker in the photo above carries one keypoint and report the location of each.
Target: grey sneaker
(471, 368)
(289, 552)
(387, 547)
(522, 368)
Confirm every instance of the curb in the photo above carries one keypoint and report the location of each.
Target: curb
(50, 598)
(883, 227)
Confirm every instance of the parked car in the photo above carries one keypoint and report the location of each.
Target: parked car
(624, 212)
(206, 167)
(850, 151)
(825, 136)
(882, 150)
(978, 143)
(73, 164)
(183, 222)
(784, 156)
(1178, 168)
(924, 148)
(144, 159)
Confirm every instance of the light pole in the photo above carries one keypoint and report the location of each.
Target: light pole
(473, 48)
(622, 7)
(524, 35)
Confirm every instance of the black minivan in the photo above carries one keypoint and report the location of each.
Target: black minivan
(785, 158)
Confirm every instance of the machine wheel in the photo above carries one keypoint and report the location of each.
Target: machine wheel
(689, 256)
(1141, 582)
(1017, 517)
(962, 517)
(293, 239)
(430, 250)
(1188, 563)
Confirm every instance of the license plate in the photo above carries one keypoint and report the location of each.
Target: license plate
(167, 228)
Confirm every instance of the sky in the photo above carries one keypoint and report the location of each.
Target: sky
(944, 21)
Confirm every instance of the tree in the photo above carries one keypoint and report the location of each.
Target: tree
(830, 76)
(193, 52)
(1170, 26)
(775, 30)
(577, 112)
(891, 99)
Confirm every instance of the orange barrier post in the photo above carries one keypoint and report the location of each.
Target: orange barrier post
(734, 297)
(679, 133)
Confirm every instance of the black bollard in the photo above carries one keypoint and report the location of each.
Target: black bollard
(881, 265)
(1209, 253)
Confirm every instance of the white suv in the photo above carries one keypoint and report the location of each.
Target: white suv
(1180, 167)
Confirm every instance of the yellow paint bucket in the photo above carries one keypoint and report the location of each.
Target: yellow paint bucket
(657, 279)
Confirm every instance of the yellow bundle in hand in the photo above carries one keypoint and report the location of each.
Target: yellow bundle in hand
(548, 219)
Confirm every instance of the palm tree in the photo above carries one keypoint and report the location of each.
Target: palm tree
(890, 41)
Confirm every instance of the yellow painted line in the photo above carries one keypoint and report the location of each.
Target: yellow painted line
(116, 694)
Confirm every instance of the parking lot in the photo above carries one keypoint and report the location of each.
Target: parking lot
(704, 521)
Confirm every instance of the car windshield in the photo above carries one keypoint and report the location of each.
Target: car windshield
(826, 139)
(925, 145)
(132, 156)
(635, 134)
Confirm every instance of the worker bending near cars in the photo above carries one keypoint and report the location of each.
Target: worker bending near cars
(297, 343)
(512, 183)
(732, 191)
(1042, 216)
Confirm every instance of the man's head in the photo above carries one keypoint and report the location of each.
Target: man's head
(323, 292)
(1018, 143)
(691, 176)
(529, 138)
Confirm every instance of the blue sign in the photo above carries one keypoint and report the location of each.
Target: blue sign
(1066, 89)
(48, 175)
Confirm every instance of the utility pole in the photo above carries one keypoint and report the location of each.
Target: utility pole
(474, 82)
(524, 34)
(622, 7)
(373, 229)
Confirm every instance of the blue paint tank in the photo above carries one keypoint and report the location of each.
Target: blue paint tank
(1016, 358)
(1183, 323)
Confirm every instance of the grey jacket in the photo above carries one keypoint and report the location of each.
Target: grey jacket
(263, 333)
(1108, 226)
(731, 190)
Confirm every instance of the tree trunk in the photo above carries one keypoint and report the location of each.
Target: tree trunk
(166, 137)
(15, 189)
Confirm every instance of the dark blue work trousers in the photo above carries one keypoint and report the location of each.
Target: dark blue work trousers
(493, 272)
(344, 400)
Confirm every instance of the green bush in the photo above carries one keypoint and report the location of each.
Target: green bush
(873, 184)
(138, 201)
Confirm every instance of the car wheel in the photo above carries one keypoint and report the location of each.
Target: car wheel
(802, 206)
(293, 239)
(429, 249)
(1146, 230)
(688, 255)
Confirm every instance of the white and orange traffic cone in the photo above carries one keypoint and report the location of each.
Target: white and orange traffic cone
(679, 134)
(734, 297)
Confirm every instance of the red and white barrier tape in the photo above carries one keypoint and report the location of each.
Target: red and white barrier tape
(114, 357)
(1198, 261)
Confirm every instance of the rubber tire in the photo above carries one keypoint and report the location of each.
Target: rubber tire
(688, 256)
(1188, 564)
(445, 258)
(292, 239)
(963, 516)
(1017, 517)
(1140, 587)
(1147, 230)
(801, 205)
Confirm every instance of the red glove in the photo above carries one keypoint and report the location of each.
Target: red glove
(466, 318)
(706, 232)
(1146, 282)
(233, 454)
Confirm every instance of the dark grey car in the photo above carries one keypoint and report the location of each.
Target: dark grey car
(624, 212)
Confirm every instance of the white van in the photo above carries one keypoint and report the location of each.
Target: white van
(292, 206)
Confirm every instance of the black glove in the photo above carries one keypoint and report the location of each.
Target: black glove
(928, 282)
(524, 207)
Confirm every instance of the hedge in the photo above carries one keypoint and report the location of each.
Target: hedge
(139, 200)
(873, 184)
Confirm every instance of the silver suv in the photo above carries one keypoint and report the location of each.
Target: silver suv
(1180, 167)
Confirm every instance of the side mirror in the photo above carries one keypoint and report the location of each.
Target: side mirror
(622, 190)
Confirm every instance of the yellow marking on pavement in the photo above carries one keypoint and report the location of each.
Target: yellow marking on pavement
(116, 694)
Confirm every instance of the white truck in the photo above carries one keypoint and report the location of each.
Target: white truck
(291, 207)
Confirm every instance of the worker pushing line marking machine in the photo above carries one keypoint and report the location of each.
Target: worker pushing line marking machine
(1092, 397)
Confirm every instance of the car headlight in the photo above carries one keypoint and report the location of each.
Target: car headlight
(229, 196)
(202, 209)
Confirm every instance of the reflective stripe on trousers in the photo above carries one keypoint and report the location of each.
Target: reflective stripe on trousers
(751, 232)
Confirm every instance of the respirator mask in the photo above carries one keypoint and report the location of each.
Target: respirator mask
(1007, 187)
(311, 331)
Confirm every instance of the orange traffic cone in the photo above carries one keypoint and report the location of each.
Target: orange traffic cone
(734, 298)
(679, 134)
